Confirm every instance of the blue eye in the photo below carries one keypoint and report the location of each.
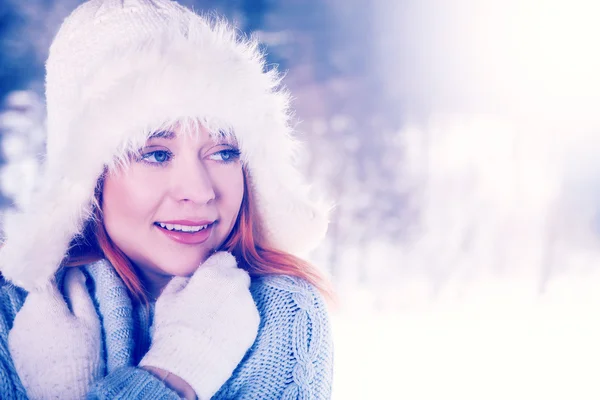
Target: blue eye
(226, 156)
(157, 157)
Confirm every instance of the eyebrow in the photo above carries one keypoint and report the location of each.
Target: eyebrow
(162, 135)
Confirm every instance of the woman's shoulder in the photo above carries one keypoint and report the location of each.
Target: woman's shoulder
(293, 313)
(287, 294)
(292, 356)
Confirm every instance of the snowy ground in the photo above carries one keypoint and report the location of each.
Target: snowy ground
(494, 295)
(491, 346)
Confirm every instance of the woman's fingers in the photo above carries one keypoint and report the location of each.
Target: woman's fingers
(221, 259)
(175, 285)
(220, 276)
(219, 269)
(219, 266)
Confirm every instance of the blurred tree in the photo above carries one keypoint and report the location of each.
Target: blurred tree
(23, 139)
(353, 152)
(16, 70)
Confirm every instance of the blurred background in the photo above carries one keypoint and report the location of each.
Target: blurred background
(460, 140)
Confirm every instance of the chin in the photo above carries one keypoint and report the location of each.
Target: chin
(179, 269)
(183, 266)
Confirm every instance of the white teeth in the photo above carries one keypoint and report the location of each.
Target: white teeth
(182, 228)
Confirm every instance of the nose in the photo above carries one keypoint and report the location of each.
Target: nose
(192, 182)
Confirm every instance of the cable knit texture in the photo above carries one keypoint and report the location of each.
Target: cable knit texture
(292, 357)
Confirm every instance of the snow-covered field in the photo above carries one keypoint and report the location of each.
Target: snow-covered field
(497, 346)
(494, 293)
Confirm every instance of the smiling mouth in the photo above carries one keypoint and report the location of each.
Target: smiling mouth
(182, 228)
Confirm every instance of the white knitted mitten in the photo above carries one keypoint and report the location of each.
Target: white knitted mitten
(56, 350)
(204, 325)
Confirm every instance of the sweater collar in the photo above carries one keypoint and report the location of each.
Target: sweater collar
(115, 309)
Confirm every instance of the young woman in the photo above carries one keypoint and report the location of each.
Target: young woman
(155, 259)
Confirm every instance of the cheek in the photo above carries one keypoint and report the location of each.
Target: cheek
(231, 190)
(237, 191)
(126, 202)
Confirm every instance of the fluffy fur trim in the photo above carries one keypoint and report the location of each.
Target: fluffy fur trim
(101, 110)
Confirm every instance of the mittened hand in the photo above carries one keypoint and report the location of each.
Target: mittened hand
(204, 325)
(56, 350)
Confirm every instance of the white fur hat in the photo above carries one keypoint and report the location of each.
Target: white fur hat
(117, 71)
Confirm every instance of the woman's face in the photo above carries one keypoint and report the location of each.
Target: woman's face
(175, 204)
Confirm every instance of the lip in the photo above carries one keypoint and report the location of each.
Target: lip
(187, 222)
(188, 237)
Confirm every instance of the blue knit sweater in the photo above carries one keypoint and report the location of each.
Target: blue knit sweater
(292, 357)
